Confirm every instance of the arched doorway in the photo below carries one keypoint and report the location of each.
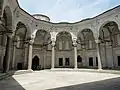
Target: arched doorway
(35, 63)
(79, 61)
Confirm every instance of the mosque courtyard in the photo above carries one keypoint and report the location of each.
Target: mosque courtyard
(61, 80)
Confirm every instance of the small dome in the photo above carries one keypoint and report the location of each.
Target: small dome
(41, 17)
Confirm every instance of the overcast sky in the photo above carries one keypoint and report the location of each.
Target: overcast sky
(67, 10)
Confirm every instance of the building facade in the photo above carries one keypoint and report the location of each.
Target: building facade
(33, 42)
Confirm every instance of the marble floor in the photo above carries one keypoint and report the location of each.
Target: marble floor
(58, 80)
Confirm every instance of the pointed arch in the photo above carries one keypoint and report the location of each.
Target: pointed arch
(7, 16)
(42, 39)
(109, 32)
(64, 40)
(35, 63)
(20, 35)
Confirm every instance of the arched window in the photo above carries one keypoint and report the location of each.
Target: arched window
(60, 45)
(67, 45)
(64, 41)
(86, 39)
(79, 59)
(42, 40)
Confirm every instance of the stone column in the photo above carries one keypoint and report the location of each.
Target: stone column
(98, 54)
(30, 47)
(25, 55)
(13, 57)
(44, 57)
(112, 51)
(113, 63)
(53, 54)
(6, 61)
(75, 53)
(105, 51)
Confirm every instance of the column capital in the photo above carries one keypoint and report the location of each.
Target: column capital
(31, 41)
(74, 42)
(53, 41)
(10, 35)
(98, 41)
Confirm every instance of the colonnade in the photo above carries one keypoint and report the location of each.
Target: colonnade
(75, 54)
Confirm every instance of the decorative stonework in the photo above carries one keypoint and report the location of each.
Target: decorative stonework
(86, 40)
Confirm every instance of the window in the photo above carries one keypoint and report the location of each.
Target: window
(91, 61)
(90, 44)
(67, 45)
(67, 61)
(18, 42)
(60, 45)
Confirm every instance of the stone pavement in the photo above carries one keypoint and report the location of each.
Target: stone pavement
(58, 80)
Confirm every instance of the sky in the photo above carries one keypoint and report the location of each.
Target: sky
(68, 10)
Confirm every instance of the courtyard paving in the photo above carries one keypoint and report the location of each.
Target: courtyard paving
(58, 80)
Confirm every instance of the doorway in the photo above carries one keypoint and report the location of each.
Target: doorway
(60, 61)
(91, 61)
(79, 59)
(96, 61)
(35, 63)
(118, 60)
(19, 66)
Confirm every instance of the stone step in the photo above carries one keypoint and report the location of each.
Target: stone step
(85, 70)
